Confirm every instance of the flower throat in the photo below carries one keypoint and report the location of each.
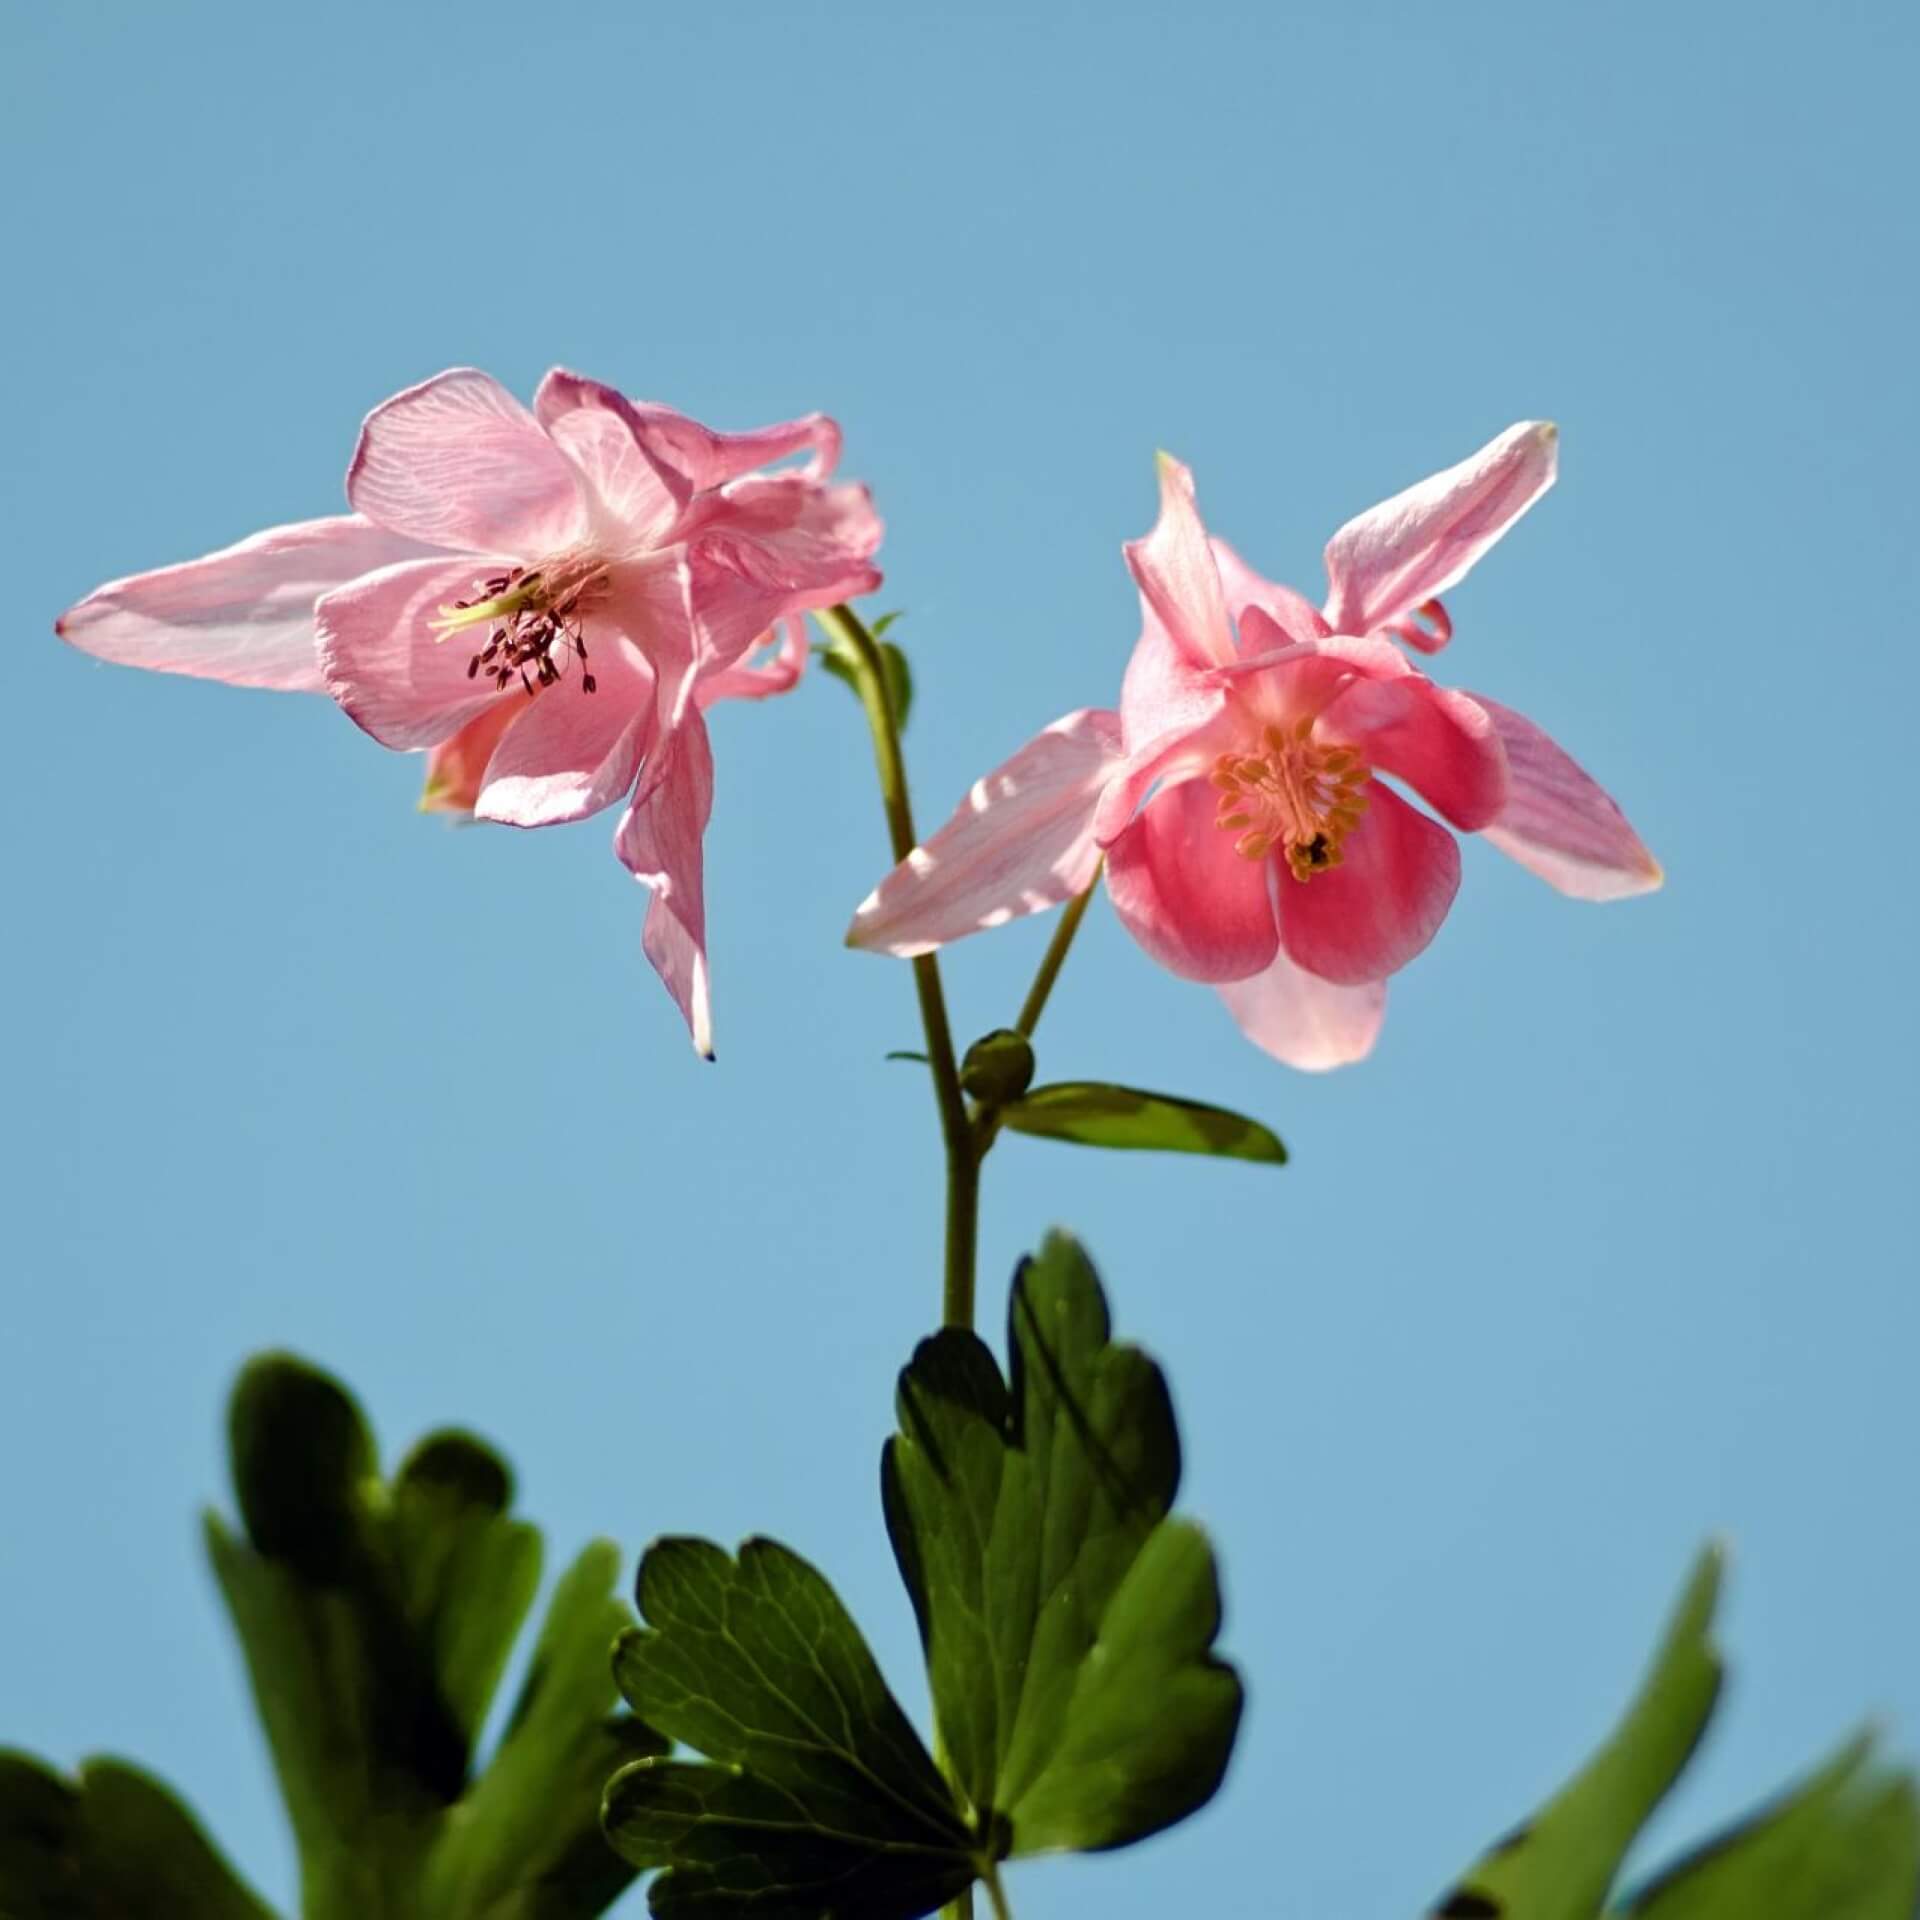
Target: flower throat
(1295, 794)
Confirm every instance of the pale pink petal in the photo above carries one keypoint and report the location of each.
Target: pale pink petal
(1393, 557)
(732, 610)
(1021, 841)
(1179, 754)
(1442, 743)
(383, 661)
(658, 840)
(1164, 694)
(810, 544)
(1198, 907)
(1305, 1021)
(1560, 823)
(1369, 916)
(1293, 613)
(458, 462)
(457, 765)
(1285, 682)
(571, 752)
(710, 459)
(761, 673)
(243, 615)
(1174, 568)
(694, 457)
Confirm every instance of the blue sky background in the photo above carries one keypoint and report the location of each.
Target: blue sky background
(1609, 1247)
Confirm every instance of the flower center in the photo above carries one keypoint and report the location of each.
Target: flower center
(535, 623)
(1296, 793)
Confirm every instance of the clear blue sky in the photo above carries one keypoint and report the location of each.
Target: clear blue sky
(1610, 1246)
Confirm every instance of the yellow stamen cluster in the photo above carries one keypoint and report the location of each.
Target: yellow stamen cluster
(1296, 793)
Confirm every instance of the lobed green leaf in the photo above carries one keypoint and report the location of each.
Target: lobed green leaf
(1068, 1620)
(823, 1801)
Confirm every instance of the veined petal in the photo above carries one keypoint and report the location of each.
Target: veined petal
(458, 462)
(456, 767)
(731, 611)
(811, 544)
(1369, 916)
(659, 842)
(1198, 907)
(1175, 571)
(1442, 743)
(1021, 841)
(571, 753)
(756, 679)
(1392, 558)
(1560, 823)
(710, 459)
(383, 662)
(1293, 613)
(1178, 755)
(1163, 693)
(1305, 1021)
(243, 615)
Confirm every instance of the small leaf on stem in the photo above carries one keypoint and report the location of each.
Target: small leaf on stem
(1093, 1114)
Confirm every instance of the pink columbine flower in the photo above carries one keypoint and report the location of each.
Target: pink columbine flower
(1237, 797)
(546, 601)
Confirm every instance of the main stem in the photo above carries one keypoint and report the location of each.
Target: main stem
(966, 1135)
(849, 631)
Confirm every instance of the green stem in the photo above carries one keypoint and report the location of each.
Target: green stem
(1054, 959)
(997, 1894)
(848, 631)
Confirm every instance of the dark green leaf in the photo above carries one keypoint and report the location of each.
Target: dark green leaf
(376, 1620)
(998, 1066)
(1844, 1845)
(908, 1053)
(1561, 1866)
(526, 1841)
(883, 621)
(1096, 1115)
(1068, 1620)
(112, 1845)
(823, 1801)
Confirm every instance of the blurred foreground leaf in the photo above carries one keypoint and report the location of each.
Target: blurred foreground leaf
(1093, 1114)
(111, 1845)
(1845, 1845)
(376, 1618)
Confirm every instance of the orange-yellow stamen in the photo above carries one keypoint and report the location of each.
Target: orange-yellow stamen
(1295, 793)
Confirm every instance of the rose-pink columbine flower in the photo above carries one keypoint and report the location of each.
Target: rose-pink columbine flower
(1249, 838)
(546, 601)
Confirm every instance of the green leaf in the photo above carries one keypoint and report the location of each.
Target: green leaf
(895, 673)
(525, 1843)
(883, 621)
(1068, 1620)
(1562, 1865)
(112, 1845)
(1844, 1845)
(1096, 1115)
(823, 1801)
(376, 1619)
(998, 1066)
